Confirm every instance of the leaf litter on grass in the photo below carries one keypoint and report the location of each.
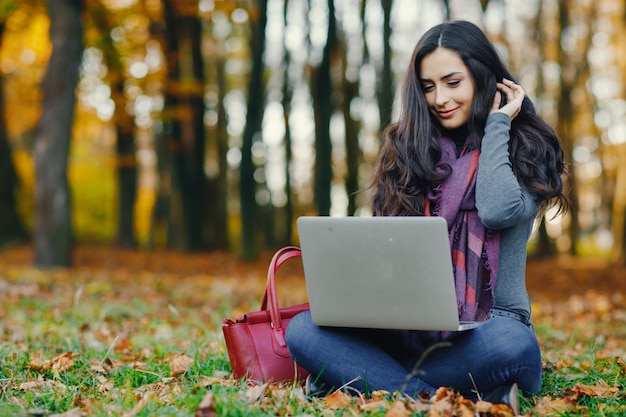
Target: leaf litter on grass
(138, 333)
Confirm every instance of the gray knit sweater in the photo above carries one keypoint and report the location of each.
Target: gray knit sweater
(504, 205)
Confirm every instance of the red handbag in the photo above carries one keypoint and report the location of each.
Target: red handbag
(256, 342)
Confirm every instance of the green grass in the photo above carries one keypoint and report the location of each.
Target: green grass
(123, 338)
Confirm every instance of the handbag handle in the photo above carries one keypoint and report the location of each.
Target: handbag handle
(270, 298)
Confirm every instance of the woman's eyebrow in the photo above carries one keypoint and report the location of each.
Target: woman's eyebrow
(452, 74)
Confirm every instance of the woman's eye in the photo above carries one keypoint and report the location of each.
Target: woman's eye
(427, 88)
(454, 83)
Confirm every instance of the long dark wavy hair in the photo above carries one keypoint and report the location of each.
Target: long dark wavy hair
(410, 149)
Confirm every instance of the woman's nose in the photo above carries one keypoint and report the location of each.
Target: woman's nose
(441, 97)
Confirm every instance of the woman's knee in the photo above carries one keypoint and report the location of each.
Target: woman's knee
(515, 346)
(511, 339)
(525, 345)
(298, 330)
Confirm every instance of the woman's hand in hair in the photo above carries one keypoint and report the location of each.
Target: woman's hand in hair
(514, 94)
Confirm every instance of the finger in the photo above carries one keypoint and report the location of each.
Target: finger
(508, 82)
(508, 90)
(516, 88)
(511, 85)
(516, 93)
(497, 99)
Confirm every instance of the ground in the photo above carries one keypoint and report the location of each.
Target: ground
(579, 310)
(547, 278)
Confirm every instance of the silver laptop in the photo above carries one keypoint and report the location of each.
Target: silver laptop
(379, 272)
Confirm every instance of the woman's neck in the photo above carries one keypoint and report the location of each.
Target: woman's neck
(458, 136)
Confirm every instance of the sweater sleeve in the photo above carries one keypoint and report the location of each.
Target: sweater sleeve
(501, 201)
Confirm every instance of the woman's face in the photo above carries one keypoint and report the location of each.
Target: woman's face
(448, 87)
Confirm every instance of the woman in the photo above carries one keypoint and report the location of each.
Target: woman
(468, 146)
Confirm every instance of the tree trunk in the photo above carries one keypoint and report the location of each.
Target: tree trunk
(618, 253)
(618, 208)
(323, 109)
(254, 116)
(126, 170)
(565, 112)
(185, 127)
(385, 84)
(11, 227)
(286, 102)
(545, 246)
(350, 90)
(53, 229)
(161, 209)
(217, 200)
(125, 128)
(572, 72)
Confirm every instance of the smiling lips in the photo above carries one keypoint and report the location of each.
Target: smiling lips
(446, 114)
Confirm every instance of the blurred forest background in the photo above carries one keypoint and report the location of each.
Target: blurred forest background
(213, 124)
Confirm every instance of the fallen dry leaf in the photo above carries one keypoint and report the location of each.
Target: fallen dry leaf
(123, 345)
(442, 404)
(601, 390)
(106, 384)
(180, 364)
(32, 385)
(278, 393)
(105, 387)
(165, 391)
(298, 394)
(547, 405)
(98, 368)
(398, 409)
(254, 393)
(207, 381)
(62, 362)
(495, 410)
(372, 404)
(206, 408)
(59, 363)
(377, 399)
(114, 363)
(441, 408)
(444, 393)
(464, 411)
(464, 407)
(337, 400)
(36, 364)
(418, 405)
(41, 383)
(379, 395)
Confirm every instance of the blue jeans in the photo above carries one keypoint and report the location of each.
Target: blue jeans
(500, 352)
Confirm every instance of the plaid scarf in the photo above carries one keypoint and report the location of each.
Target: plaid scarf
(475, 249)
